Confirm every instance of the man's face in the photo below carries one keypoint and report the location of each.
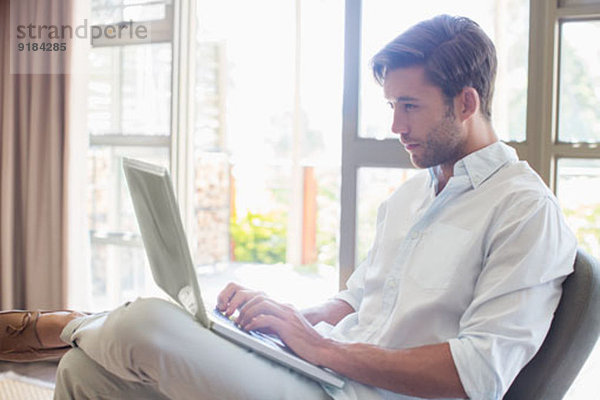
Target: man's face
(426, 125)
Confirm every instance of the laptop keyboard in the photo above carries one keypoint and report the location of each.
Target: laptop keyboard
(271, 340)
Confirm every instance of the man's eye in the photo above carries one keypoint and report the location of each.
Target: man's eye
(409, 107)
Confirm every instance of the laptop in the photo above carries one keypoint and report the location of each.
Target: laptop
(173, 271)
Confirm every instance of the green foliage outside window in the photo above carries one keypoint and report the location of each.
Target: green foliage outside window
(260, 238)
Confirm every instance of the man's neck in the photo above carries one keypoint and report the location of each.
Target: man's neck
(443, 175)
(480, 134)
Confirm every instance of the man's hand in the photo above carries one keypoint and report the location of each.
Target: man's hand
(259, 312)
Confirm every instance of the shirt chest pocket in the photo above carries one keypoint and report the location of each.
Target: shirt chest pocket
(437, 255)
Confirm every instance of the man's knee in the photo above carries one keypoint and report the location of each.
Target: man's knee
(73, 375)
(140, 321)
(141, 327)
(131, 340)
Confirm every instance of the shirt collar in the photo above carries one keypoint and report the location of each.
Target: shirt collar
(483, 163)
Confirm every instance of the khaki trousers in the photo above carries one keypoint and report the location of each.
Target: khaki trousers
(152, 349)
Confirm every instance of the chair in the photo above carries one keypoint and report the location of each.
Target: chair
(570, 340)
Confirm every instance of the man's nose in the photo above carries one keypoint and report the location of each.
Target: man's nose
(400, 122)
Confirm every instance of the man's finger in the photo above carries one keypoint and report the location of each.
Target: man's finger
(238, 300)
(259, 305)
(226, 295)
(241, 298)
(265, 322)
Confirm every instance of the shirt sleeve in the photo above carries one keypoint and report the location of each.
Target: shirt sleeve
(354, 293)
(355, 285)
(529, 253)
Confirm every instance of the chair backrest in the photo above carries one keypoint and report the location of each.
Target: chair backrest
(570, 340)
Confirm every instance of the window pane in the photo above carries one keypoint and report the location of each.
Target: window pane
(212, 196)
(110, 207)
(579, 101)
(578, 189)
(130, 90)
(111, 11)
(119, 268)
(152, 12)
(243, 114)
(505, 21)
(128, 114)
(321, 81)
(374, 186)
(327, 180)
(267, 128)
(120, 273)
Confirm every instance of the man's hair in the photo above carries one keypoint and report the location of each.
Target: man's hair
(455, 52)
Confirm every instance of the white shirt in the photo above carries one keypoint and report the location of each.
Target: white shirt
(479, 266)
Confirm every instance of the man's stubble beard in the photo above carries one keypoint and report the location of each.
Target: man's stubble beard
(443, 145)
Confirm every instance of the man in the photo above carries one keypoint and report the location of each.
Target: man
(454, 298)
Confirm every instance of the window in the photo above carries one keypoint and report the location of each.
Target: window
(268, 91)
(129, 114)
(579, 91)
(571, 144)
(266, 142)
(248, 123)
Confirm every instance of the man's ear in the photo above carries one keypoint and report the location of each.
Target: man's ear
(468, 103)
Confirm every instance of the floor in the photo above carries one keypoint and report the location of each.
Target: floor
(43, 370)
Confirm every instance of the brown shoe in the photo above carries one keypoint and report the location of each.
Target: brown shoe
(19, 339)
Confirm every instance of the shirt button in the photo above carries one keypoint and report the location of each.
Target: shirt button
(414, 236)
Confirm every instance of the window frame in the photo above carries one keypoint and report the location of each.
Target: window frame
(357, 152)
(544, 148)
